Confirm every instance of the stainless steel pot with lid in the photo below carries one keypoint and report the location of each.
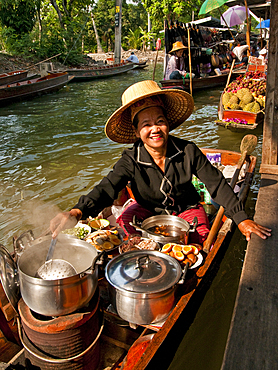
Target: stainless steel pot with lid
(143, 284)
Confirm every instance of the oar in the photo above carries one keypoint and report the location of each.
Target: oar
(230, 73)
(248, 144)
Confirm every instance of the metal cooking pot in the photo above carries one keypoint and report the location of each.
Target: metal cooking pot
(178, 228)
(60, 296)
(142, 285)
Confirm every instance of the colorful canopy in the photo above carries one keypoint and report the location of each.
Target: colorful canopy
(209, 5)
(264, 24)
(234, 15)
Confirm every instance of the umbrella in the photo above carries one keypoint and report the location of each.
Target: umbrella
(209, 5)
(234, 15)
(264, 24)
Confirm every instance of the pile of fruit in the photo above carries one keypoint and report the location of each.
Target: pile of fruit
(246, 93)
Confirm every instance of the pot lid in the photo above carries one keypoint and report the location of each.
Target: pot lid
(143, 271)
(9, 277)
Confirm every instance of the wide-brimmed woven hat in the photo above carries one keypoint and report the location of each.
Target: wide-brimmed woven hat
(178, 106)
(177, 46)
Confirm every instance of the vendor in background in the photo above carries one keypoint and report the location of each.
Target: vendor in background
(240, 52)
(158, 166)
(263, 56)
(176, 67)
(133, 58)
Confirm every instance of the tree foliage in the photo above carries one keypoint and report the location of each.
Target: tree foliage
(19, 15)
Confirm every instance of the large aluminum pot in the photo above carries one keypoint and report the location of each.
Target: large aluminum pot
(142, 285)
(61, 296)
(177, 227)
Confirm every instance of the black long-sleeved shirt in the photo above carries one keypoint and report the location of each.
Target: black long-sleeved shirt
(168, 192)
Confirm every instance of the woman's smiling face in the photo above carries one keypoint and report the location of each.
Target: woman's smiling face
(153, 127)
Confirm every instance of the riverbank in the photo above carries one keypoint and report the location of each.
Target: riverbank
(12, 63)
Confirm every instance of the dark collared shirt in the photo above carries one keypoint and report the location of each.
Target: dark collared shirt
(168, 192)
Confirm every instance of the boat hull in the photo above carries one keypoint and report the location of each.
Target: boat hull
(32, 88)
(99, 72)
(11, 77)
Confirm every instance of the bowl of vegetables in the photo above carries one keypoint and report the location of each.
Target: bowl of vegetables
(80, 231)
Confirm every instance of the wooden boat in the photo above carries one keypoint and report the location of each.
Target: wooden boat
(14, 76)
(127, 346)
(101, 71)
(252, 119)
(200, 83)
(141, 65)
(34, 87)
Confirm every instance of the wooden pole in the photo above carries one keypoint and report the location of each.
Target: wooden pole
(44, 61)
(189, 58)
(230, 73)
(155, 63)
(247, 29)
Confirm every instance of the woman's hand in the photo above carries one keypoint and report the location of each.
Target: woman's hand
(247, 227)
(64, 220)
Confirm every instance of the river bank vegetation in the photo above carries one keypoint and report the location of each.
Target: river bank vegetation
(42, 28)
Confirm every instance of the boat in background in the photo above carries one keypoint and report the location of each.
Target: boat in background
(126, 346)
(14, 76)
(32, 87)
(99, 71)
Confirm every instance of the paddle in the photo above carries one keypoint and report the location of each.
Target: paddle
(247, 146)
(230, 73)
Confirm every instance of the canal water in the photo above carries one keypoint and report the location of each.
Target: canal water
(53, 149)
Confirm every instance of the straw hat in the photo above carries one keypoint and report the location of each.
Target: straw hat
(177, 46)
(178, 105)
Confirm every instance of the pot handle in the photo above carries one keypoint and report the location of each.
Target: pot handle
(18, 243)
(98, 260)
(194, 225)
(181, 281)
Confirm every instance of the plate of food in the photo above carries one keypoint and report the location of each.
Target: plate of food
(184, 253)
(137, 242)
(104, 240)
(80, 231)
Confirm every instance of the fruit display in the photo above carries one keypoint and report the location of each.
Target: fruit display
(246, 93)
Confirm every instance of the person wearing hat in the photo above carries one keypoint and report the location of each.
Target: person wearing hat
(158, 166)
(263, 56)
(176, 67)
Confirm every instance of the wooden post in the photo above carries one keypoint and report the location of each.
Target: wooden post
(270, 132)
(247, 29)
(118, 31)
(189, 58)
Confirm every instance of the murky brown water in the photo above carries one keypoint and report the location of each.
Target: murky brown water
(53, 149)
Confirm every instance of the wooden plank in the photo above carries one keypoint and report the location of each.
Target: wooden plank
(270, 140)
(269, 169)
(252, 341)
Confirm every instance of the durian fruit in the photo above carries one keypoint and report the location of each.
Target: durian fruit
(261, 102)
(256, 108)
(242, 92)
(248, 107)
(247, 98)
(235, 106)
(226, 97)
(241, 104)
(234, 99)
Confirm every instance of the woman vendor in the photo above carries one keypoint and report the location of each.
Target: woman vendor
(176, 67)
(158, 166)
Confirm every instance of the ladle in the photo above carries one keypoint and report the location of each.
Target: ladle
(55, 269)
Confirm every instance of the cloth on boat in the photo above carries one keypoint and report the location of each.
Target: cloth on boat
(168, 192)
(239, 51)
(199, 236)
